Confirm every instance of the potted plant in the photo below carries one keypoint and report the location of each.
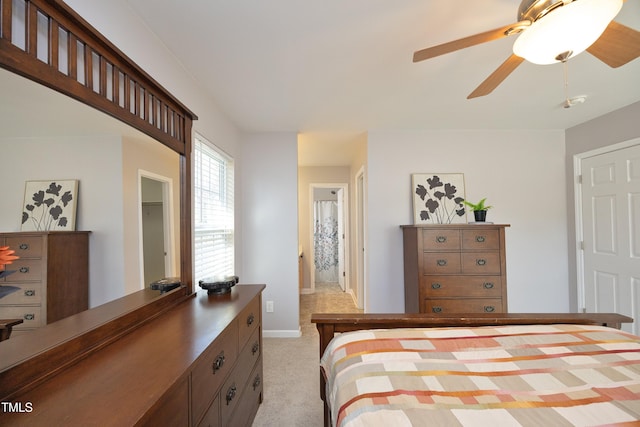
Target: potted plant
(479, 209)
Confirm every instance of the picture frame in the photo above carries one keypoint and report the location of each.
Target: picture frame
(437, 198)
(50, 205)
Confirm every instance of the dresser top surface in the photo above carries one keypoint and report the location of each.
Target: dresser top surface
(123, 380)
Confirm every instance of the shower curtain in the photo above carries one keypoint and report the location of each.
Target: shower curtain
(325, 237)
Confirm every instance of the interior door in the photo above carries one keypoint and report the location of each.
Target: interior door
(611, 232)
(341, 253)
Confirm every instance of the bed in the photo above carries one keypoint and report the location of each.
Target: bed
(501, 369)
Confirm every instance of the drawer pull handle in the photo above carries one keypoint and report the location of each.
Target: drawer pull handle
(441, 239)
(436, 286)
(480, 239)
(255, 348)
(436, 309)
(488, 285)
(218, 363)
(256, 382)
(441, 262)
(481, 262)
(29, 293)
(489, 309)
(29, 316)
(250, 319)
(231, 393)
(24, 246)
(24, 269)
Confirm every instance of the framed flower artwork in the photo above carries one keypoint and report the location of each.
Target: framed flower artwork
(50, 205)
(437, 198)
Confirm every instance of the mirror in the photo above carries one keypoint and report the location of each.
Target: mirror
(47, 135)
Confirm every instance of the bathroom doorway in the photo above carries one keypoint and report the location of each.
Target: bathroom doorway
(329, 234)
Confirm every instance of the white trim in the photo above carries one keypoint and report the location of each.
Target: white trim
(577, 191)
(345, 223)
(169, 232)
(281, 333)
(361, 252)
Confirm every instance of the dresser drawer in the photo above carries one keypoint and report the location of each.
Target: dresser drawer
(27, 293)
(251, 399)
(249, 320)
(441, 263)
(461, 286)
(462, 305)
(26, 270)
(440, 240)
(248, 357)
(232, 389)
(212, 416)
(32, 316)
(480, 239)
(212, 369)
(26, 246)
(481, 262)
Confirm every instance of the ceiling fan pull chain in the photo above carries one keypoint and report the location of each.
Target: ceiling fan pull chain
(565, 69)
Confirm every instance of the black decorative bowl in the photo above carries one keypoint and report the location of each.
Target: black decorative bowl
(218, 285)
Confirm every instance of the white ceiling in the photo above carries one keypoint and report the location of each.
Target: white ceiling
(333, 69)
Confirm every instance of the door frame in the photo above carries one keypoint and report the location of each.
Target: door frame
(579, 221)
(361, 237)
(345, 223)
(167, 223)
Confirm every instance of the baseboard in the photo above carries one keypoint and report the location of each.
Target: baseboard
(282, 334)
(306, 291)
(353, 296)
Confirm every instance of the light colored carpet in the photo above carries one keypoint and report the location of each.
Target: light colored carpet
(290, 365)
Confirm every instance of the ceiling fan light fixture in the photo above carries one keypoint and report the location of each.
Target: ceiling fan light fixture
(572, 28)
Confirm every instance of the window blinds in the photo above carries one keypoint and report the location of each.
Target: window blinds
(213, 216)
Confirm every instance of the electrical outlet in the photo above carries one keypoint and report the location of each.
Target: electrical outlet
(269, 306)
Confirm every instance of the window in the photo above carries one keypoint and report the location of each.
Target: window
(213, 227)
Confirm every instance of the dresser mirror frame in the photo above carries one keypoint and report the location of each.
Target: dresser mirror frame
(92, 70)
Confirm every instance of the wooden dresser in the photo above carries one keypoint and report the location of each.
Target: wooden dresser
(455, 268)
(52, 275)
(198, 364)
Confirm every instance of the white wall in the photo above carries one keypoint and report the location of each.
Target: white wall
(269, 187)
(520, 172)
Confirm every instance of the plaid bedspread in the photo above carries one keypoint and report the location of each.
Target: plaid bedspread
(558, 375)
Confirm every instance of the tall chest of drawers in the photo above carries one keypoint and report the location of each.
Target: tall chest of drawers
(455, 268)
(51, 277)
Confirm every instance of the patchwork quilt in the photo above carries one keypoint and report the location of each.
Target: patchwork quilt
(538, 375)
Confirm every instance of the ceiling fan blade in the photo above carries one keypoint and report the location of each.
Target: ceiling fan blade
(497, 77)
(452, 46)
(617, 46)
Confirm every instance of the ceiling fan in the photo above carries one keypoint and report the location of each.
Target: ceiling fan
(553, 31)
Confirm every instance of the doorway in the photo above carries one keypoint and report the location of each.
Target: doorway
(156, 233)
(608, 228)
(329, 234)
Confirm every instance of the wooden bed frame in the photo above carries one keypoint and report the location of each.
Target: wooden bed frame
(330, 324)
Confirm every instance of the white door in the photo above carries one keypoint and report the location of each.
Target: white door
(341, 253)
(611, 233)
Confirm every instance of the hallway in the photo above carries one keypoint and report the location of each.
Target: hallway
(291, 365)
